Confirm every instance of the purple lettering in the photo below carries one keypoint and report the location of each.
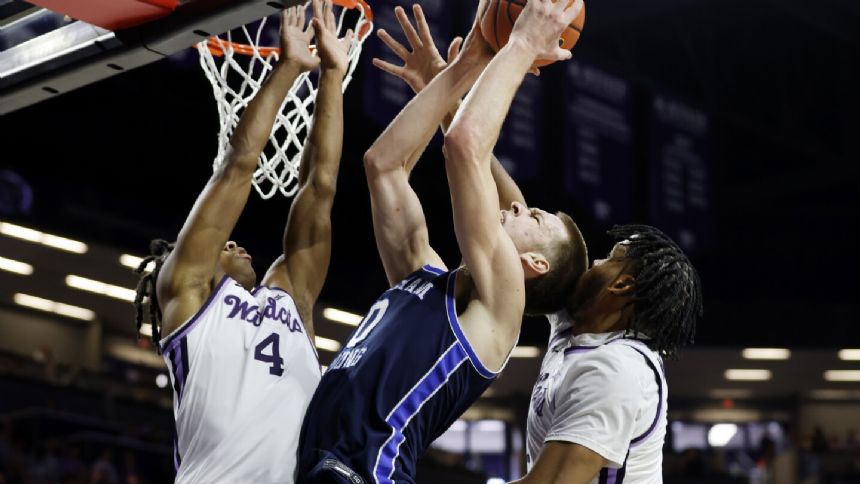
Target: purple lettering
(269, 312)
(249, 313)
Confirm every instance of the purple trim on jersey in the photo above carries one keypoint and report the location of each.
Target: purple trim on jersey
(186, 365)
(601, 478)
(172, 339)
(659, 379)
(582, 349)
(451, 306)
(579, 349)
(410, 405)
(175, 363)
(272, 288)
(564, 334)
(177, 459)
(180, 367)
(179, 372)
(433, 270)
(609, 475)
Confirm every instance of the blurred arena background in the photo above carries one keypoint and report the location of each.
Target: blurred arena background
(734, 126)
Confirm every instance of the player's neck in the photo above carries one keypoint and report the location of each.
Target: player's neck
(219, 274)
(599, 323)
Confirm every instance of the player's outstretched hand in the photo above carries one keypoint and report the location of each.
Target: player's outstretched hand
(333, 51)
(541, 23)
(296, 39)
(421, 61)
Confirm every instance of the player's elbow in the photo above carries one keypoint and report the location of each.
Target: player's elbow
(324, 185)
(460, 144)
(235, 171)
(239, 162)
(375, 161)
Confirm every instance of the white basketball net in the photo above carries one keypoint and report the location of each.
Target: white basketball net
(235, 80)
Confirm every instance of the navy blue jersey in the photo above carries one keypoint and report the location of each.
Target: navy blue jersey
(403, 378)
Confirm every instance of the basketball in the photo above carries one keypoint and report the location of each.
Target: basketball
(498, 22)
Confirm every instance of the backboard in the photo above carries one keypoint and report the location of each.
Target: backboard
(58, 46)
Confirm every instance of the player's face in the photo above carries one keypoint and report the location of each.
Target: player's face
(532, 229)
(236, 262)
(594, 282)
(617, 257)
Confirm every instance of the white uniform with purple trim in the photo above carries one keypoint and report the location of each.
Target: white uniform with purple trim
(243, 371)
(604, 392)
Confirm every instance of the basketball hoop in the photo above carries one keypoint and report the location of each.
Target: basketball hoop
(237, 70)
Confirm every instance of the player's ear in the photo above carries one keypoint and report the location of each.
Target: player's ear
(534, 264)
(623, 285)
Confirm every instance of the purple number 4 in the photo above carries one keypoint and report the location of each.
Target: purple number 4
(274, 359)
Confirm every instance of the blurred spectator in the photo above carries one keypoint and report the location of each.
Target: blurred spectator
(764, 468)
(693, 463)
(131, 476)
(5, 442)
(810, 461)
(72, 468)
(45, 468)
(819, 441)
(851, 442)
(104, 471)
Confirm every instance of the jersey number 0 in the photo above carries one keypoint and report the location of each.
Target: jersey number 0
(374, 316)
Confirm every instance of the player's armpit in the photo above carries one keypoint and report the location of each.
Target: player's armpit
(564, 463)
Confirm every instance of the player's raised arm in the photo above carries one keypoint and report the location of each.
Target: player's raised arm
(307, 238)
(184, 281)
(488, 252)
(398, 219)
(421, 63)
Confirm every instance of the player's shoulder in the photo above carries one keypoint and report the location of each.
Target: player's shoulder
(618, 361)
(274, 291)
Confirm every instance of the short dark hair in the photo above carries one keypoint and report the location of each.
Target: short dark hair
(158, 251)
(567, 261)
(667, 292)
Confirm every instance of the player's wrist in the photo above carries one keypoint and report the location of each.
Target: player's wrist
(521, 44)
(332, 73)
(466, 64)
(291, 65)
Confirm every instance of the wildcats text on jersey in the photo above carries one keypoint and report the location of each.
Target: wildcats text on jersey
(252, 314)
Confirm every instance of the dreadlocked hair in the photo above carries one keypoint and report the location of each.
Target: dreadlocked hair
(146, 294)
(667, 293)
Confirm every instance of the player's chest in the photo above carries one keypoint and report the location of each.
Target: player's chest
(545, 388)
(265, 329)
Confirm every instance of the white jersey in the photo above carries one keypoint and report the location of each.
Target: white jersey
(604, 392)
(243, 371)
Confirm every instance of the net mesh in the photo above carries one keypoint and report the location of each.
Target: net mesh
(237, 72)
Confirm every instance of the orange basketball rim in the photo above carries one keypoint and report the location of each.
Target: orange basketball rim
(217, 45)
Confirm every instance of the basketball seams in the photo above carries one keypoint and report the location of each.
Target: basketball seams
(496, 14)
(511, 19)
